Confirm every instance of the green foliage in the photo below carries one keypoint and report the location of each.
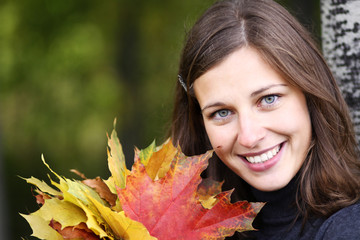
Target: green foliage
(68, 68)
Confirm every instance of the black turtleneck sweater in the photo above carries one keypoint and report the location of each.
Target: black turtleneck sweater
(276, 221)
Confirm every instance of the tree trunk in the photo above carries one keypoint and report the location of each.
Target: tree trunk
(341, 48)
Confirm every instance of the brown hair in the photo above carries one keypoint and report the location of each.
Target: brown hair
(330, 176)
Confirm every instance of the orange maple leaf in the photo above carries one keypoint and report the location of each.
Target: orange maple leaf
(170, 208)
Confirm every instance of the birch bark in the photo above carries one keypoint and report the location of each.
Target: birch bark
(341, 47)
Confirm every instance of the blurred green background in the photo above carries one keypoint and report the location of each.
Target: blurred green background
(69, 68)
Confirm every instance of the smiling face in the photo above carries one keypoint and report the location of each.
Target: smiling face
(257, 123)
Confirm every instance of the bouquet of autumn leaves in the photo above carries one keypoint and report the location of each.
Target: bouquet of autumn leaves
(162, 197)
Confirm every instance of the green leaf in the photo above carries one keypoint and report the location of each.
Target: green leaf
(145, 154)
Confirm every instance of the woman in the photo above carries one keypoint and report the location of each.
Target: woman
(254, 87)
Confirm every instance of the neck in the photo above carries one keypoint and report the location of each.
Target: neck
(280, 208)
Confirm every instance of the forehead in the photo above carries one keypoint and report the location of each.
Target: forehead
(241, 72)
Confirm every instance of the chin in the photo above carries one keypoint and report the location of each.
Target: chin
(271, 185)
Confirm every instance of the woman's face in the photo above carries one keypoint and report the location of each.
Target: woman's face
(257, 123)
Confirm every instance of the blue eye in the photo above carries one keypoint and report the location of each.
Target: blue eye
(270, 99)
(222, 113)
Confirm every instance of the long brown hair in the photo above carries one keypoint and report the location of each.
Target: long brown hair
(330, 175)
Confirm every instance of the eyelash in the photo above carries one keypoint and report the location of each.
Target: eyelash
(268, 105)
(219, 118)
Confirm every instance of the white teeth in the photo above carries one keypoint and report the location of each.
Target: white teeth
(274, 151)
(264, 157)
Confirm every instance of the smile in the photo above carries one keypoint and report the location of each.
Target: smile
(261, 158)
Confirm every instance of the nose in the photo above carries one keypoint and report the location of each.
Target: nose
(250, 131)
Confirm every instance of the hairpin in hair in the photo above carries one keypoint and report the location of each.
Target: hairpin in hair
(181, 81)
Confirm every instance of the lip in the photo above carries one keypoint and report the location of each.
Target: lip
(261, 152)
(260, 167)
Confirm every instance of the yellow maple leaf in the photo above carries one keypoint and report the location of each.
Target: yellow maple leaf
(116, 160)
(41, 228)
(64, 212)
(157, 160)
(121, 225)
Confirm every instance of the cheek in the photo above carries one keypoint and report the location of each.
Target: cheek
(301, 120)
(295, 127)
(221, 138)
(214, 135)
(296, 124)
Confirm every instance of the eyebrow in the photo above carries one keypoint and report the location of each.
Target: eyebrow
(216, 104)
(257, 92)
(263, 89)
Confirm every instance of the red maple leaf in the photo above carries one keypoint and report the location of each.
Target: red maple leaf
(170, 206)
